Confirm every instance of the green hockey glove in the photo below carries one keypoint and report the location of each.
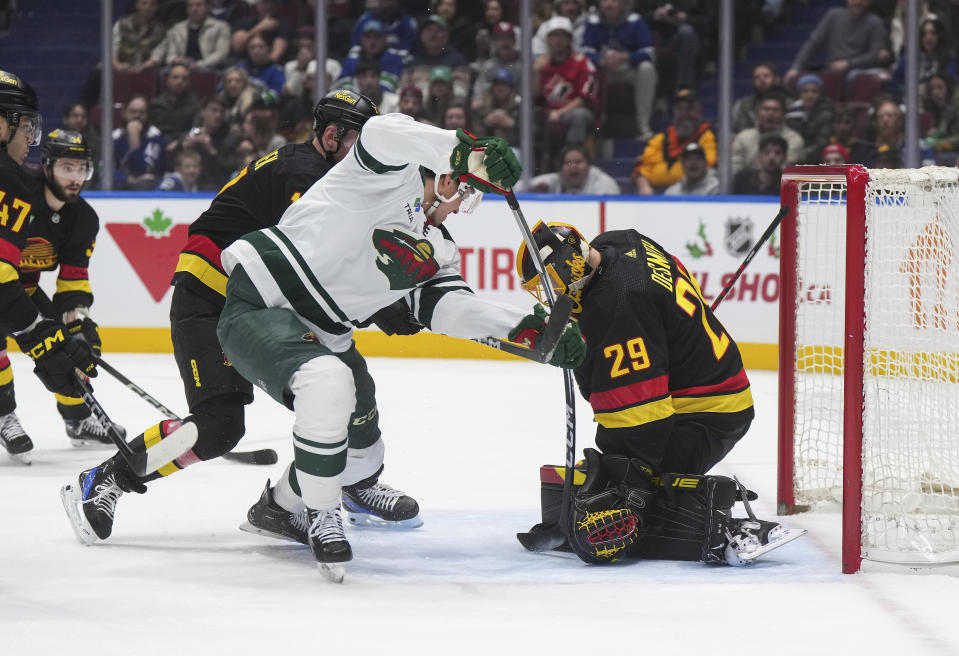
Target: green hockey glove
(571, 349)
(487, 163)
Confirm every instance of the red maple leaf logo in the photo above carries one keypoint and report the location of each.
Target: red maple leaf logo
(152, 248)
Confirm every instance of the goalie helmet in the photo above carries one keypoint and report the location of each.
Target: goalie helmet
(345, 109)
(18, 100)
(565, 254)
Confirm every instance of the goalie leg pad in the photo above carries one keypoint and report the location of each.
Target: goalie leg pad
(688, 519)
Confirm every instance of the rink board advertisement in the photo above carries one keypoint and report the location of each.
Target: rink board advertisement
(141, 236)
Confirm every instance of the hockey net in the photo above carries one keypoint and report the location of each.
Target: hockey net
(869, 357)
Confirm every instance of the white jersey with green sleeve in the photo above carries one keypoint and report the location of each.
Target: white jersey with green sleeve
(358, 240)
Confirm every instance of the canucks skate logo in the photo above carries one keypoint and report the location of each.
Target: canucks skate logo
(403, 259)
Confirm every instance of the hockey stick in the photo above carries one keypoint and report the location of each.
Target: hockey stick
(146, 462)
(258, 457)
(783, 211)
(560, 311)
(552, 537)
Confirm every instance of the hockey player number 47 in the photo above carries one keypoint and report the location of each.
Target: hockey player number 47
(18, 204)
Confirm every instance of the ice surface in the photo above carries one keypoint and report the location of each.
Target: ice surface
(466, 438)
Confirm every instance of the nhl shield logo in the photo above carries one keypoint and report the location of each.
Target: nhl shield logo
(739, 235)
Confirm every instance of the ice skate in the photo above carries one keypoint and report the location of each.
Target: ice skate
(90, 433)
(751, 538)
(90, 503)
(15, 440)
(370, 503)
(328, 543)
(266, 517)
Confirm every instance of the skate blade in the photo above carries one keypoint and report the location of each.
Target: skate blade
(80, 443)
(23, 458)
(333, 572)
(71, 506)
(250, 528)
(786, 536)
(364, 520)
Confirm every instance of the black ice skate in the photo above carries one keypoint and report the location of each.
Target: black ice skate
(369, 502)
(91, 501)
(90, 433)
(266, 517)
(328, 543)
(15, 440)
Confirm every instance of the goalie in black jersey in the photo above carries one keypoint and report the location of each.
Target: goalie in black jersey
(670, 396)
(256, 198)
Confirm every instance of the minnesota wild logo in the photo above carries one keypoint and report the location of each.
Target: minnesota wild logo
(403, 259)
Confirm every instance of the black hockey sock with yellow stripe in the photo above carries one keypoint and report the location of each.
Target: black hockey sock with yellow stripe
(151, 437)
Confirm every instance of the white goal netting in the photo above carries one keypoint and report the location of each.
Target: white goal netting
(910, 395)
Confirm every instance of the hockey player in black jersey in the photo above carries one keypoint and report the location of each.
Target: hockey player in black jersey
(62, 235)
(256, 198)
(670, 396)
(56, 353)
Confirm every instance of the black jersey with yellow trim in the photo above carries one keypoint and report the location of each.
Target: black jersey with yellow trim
(17, 211)
(655, 350)
(255, 199)
(63, 238)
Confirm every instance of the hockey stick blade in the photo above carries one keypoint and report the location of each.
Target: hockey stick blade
(539, 539)
(258, 457)
(548, 339)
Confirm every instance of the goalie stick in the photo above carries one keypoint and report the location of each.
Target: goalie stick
(560, 311)
(551, 538)
(548, 537)
(258, 457)
(146, 462)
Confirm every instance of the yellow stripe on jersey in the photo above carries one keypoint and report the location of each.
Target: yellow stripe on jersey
(720, 403)
(73, 286)
(68, 400)
(153, 436)
(637, 415)
(6, 375)
(203, 271)
(8, 273)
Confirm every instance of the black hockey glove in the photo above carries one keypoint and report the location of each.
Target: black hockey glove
(87, 330)
(571, 349)
(609, 510)
(395, 319)
(55, 355)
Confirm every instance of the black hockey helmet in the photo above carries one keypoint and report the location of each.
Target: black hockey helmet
(565, 254)
(66, 144)
(19, 100)
(345, 109)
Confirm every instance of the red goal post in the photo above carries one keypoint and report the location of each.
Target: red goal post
(869, 357)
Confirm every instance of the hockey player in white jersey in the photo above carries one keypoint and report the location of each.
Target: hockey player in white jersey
(366, 235)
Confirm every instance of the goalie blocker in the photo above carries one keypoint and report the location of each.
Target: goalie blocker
(688, 518)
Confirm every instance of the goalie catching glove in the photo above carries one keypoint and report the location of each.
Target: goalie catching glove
(610, 509)
(571, 349)
(486, 163)
(56, 355)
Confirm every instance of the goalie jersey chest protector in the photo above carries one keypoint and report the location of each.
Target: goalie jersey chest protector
(358, 241)
(656, 353)
(256, 198)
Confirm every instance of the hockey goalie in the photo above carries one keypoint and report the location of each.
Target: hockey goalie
(670, 398)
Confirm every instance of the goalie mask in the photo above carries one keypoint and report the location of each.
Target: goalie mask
(565, 254)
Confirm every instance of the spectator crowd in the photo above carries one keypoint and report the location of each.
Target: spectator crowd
(207, 86)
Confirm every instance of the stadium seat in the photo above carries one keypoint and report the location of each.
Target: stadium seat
(863, 88)
(127, 84)
(203, 83)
